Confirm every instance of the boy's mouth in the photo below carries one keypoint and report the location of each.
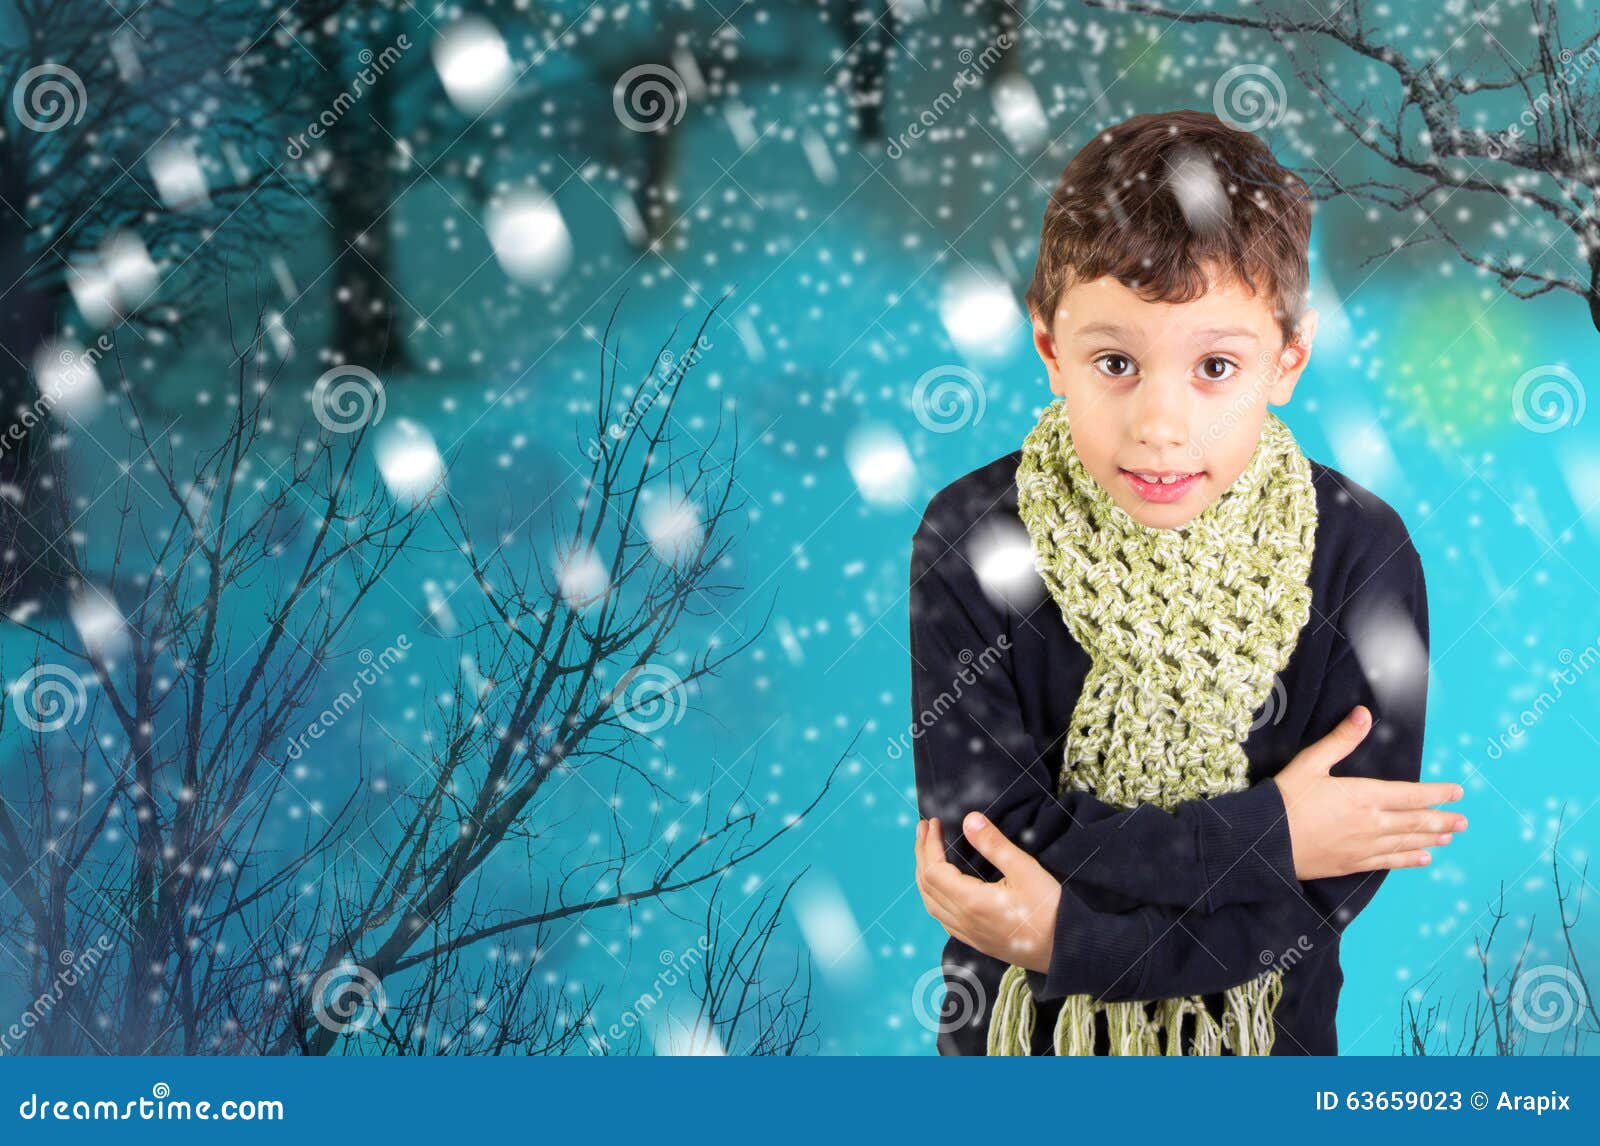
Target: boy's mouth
(1162, 485)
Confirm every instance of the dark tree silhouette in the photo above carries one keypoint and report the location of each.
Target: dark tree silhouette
(865, 32)
(142, 826)
(735, 1005)
(362, 191)
(1004, 28)
(1517, 1009)
(1523, 135)
(338, 69)
(90, 102)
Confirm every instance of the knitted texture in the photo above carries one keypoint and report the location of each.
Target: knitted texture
(1185, 629)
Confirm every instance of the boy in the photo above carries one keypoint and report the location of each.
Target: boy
(1168, 307)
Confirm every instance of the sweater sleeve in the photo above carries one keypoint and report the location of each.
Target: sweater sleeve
(1381, 661)
(971, 751)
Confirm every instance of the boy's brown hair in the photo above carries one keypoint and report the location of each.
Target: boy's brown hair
(1155, 199)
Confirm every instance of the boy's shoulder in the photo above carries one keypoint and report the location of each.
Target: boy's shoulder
(1353, 523)
(986, 492)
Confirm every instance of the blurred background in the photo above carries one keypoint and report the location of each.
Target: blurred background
(365, 357)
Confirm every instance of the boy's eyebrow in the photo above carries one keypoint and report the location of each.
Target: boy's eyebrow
(1116, 330)
(1109, 329)
(1226, 332)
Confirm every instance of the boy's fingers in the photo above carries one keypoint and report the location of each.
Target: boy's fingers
(953, 919)
(1404, 795)
(1411, 841)
(964, 894)
(1409, 823)
(928, 854)
(991, 842)
(960, 896)
(932, 844)
(931, 900)
(924, 868)
(956, 886)
(952, 885)
(1339, 743)
(1397, 859)
(942, 909)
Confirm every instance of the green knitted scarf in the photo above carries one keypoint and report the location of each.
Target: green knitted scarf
(1185, 629)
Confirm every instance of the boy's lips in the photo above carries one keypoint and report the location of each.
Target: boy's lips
(1161, 491)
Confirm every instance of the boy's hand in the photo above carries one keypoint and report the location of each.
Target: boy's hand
(1013, 919)
(1339, 825)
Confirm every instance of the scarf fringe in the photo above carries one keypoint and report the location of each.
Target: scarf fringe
(1246, 1027)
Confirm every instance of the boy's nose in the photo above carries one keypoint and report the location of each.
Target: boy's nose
(1161, 420)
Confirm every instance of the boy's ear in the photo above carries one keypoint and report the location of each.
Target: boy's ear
(1292, 359)
(1045, 343)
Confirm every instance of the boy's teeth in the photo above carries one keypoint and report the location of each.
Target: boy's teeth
(1168, 480)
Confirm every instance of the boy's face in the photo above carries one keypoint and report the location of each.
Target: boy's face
(1158, 388)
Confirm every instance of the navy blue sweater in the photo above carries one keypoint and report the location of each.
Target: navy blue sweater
(1153, 904)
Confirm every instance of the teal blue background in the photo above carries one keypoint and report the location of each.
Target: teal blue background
(834, 313)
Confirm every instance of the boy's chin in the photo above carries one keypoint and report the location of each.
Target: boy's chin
(1163, 516)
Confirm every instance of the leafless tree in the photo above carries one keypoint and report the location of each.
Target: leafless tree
(1517, 1006)
(745, 1012)
(1523, 134)
(865, 31)
(94, 102)
(338, 68)
(137, 806)
(734, 1005)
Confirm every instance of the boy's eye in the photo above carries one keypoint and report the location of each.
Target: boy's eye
(1216, 369)
(1115, 365)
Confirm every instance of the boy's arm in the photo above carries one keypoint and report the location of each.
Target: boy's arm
(972, 752)
(1157, 952)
